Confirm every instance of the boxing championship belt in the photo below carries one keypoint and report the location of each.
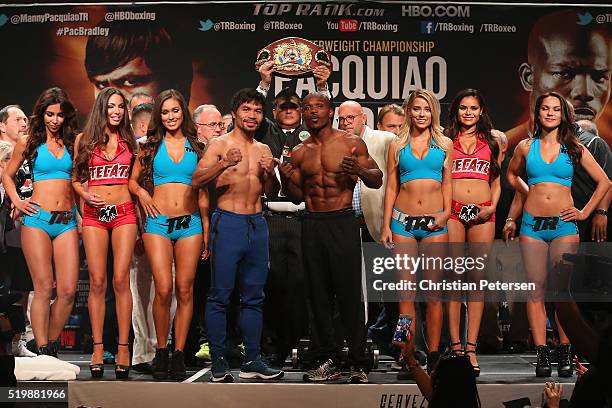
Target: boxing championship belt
(293, 57)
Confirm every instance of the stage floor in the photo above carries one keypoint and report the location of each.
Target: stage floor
(505, 381)
(495, 369)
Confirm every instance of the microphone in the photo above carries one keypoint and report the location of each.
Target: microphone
(303, 135)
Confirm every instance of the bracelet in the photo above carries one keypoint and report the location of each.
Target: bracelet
(509, 219)
(600, 211)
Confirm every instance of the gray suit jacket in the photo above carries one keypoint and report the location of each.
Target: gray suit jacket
(372, 201)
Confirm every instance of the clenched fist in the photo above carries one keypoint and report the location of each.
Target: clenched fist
(232, 157)
(267, 163)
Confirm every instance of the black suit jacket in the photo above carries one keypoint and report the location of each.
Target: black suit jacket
(271, 134)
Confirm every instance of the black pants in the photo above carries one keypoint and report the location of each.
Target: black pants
(285, 317)
(331, 247)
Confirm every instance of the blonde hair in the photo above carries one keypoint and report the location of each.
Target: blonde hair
(6, 150)
(391, 108)
(436, 131)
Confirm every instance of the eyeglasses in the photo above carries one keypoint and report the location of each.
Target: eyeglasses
(212, 125)
(347, 119)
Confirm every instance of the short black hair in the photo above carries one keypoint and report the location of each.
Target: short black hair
(286, 94)
(4, 112)
(321, 95)
(247, 95)
(150, 40)
(142, 108)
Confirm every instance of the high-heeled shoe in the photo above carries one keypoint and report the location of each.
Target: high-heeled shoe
(97, 369)
(476, 367)
(458, 351)
(122, 371)
(55, 346)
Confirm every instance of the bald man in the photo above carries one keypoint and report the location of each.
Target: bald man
(572, 60)
(209, 122)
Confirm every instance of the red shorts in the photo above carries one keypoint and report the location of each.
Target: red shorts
(110, 216)
(465, 213)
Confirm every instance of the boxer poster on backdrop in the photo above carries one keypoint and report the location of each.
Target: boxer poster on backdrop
(380, 52)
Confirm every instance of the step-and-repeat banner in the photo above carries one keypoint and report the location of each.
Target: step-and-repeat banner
(380, 52)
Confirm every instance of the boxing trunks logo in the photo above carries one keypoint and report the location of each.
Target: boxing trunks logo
(60, 217)
(545, 223)
(468, 212)
(178, 223)
(108, 213)
(416, 223)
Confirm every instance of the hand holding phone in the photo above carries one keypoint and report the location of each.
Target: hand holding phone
(403, 327)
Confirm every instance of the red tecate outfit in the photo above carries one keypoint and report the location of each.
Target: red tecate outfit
(104, 172)
(476, 165)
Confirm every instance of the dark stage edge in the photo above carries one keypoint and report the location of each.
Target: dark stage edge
(504, 378)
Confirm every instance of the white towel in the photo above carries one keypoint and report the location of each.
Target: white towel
(44, 368)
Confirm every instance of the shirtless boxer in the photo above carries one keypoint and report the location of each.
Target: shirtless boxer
(323, 172)
(242, 170)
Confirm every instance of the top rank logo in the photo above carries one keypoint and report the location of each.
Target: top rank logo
(309, 9)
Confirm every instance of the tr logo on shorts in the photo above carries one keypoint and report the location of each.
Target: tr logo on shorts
(178, 223)
(60, 217)
(108, 213)
(468, 212)
(416, 223)
(545, 223)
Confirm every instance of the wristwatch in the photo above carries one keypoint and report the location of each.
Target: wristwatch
(600, 211)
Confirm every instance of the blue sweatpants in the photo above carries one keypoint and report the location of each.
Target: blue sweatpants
(239, 255)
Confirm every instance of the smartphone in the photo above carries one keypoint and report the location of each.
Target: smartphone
(401, 331)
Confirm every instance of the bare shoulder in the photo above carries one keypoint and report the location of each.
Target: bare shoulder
(523, 146)
(217, 143)
(447, 143)
(262, 147)
(77, 139)
(298, 151)
(351, 139)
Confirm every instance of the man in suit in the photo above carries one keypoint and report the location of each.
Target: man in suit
(368, 205)
(285, 312)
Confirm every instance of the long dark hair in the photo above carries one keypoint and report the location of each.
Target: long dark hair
(96, 132)
(453, 384)
(483, 126)
(156, 132)
(37, 133)
(567, 128)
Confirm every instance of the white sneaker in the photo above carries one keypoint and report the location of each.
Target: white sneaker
(19, 349)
